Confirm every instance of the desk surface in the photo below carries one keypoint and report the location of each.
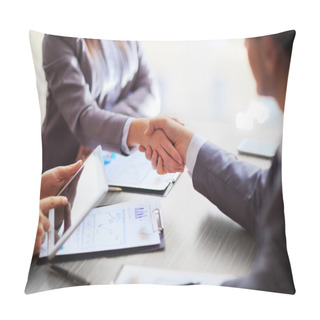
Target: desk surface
(198, 237)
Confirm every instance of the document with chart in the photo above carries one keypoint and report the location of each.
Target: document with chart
(124, 228)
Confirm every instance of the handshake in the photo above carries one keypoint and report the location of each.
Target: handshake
(165, 142)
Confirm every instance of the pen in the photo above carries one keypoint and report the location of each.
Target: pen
(114, 189)
(70, 276)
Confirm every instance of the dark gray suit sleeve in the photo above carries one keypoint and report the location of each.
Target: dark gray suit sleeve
(253, 198)
(235, 187)
(271, 270)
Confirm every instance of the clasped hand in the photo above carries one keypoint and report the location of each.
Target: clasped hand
(174, 136)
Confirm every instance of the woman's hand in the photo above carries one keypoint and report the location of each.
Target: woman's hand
(54, 179)
(158, 141)
(175, 132)
(44, 225)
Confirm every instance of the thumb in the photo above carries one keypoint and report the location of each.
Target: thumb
(150, 129)
(176, 120)
(66, 172)
(154, 123)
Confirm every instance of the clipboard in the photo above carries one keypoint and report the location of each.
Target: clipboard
(140, 223)
(134, 173)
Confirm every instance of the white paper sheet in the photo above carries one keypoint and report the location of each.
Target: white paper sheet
(135, 171)
(145, 275)
(124, 225)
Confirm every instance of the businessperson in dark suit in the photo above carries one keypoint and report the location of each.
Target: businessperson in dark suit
(247, 194)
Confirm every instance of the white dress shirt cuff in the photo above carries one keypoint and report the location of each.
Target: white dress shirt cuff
(124, 147)
(193, 150)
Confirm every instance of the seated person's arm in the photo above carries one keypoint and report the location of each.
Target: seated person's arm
(236, 187)
(51, 183)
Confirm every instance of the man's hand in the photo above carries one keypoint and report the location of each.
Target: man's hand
(54, 179)
(179, 136)
(158, 141)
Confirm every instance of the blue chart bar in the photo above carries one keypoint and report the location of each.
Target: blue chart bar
(108, 157)
(140, 213)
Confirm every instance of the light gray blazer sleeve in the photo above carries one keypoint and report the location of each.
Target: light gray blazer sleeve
(235, 187)
(89, 124)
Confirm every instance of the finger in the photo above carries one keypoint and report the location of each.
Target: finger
(172, 167)
(39, 240)
(41, 231)
(170, 164)
(66, 172)
(167, 145)
(154, 159)
(171, 151)
(44, 221)
(176, 120)
(52, 202)
(155, 123)
(160, 168)
(37, 244)
(149, 153)
(150, 129)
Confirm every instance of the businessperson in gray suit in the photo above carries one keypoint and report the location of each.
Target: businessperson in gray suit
(100, 92)
(247, 194)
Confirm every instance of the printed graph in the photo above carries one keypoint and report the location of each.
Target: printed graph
(104, 229)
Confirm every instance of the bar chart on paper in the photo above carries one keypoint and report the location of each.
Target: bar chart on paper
(125, 225)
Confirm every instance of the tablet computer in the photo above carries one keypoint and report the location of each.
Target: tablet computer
(258, 148)
(84, 191)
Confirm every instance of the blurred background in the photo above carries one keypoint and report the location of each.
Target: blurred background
(209, 80)
(199, 81)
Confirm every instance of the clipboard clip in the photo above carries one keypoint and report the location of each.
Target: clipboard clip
(157, 212)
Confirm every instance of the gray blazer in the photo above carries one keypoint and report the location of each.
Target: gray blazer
(90, 98)
(253, 198)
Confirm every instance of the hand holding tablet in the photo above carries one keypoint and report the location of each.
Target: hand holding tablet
(84, 191)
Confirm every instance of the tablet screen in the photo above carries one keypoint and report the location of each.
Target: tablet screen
(84, 191)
